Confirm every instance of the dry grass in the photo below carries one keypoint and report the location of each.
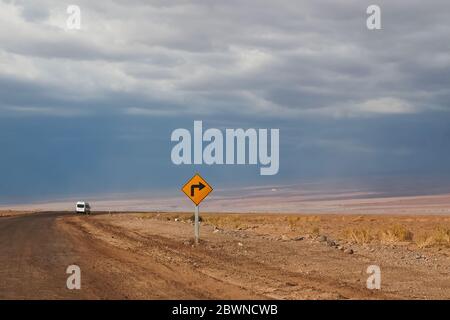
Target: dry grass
(423, 231)
(233, 220)
(439, 237)
(11, 213)
(360, 236)
(315, 231)
(394, 234)
(308, 224)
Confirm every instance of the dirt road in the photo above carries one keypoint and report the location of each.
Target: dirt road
(129, 256)
(35, 251)
(33, 257)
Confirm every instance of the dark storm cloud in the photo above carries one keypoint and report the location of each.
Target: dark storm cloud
(347, 100)
(289, 55)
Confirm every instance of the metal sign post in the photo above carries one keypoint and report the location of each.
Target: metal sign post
(196, 226)
(197, 189)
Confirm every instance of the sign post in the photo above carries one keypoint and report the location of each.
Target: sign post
(197, 189)
(196, 226)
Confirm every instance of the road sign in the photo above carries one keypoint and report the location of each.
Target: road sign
(197, 189)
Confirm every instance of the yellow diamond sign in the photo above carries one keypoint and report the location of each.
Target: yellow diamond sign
(197, 189)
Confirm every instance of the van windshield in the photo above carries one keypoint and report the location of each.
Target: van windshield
(80, 206)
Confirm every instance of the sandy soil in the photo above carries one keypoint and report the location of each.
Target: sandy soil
(12, 213)
(275, 200)
(241, 256)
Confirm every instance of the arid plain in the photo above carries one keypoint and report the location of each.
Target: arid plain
(320, 252)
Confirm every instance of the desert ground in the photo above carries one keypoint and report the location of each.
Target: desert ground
(12, 213)
(240, 256)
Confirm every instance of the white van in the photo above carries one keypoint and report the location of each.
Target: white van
(83, 207)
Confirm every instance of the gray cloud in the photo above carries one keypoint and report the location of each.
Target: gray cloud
(348, 101)
(285, 56)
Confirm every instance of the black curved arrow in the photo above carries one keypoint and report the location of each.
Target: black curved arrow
(198, 186)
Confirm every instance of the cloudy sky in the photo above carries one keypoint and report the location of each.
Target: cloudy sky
(91, 111)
